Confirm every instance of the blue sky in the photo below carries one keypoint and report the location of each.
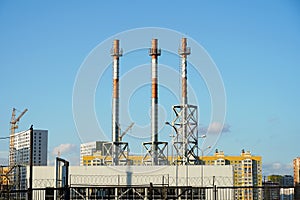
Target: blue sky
(254, 44)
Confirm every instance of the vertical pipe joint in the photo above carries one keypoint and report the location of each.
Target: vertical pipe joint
(154, 51)
(116, 52)
(184, 51)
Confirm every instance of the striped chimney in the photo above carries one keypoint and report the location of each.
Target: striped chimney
(154, 52)
(184, 52)
(115, 53)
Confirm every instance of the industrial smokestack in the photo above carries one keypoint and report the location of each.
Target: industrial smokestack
(154, 52)
(115, 53)
(184, 52)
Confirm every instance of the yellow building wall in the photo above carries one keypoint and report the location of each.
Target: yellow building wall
(247, 169)
(3, 172)
(242, 170)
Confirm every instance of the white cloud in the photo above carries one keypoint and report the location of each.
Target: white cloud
(74, 160)
(63, 149)
(215, 127)
(277, 168)
(69, 152)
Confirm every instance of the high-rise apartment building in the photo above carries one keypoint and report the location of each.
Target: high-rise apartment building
(90, 149)
(287, 180)
(87, 149)
(20, 153)
(247, 171)
(21, 148)
(296, 163)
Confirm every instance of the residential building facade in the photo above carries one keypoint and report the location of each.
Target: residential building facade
(90, 149)
(21, 148)
(21, 153)
(247, 171)
(4, 170)
(286, 180)
(296, 163)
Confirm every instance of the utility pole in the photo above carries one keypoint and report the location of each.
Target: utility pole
(30, 164)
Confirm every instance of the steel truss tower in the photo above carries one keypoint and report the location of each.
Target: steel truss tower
(185, 122)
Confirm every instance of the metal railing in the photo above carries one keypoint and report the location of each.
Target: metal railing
(153, 191)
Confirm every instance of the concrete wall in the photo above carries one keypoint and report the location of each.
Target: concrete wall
(44, 176)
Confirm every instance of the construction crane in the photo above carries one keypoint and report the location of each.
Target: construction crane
(14, 125)
(124, 132)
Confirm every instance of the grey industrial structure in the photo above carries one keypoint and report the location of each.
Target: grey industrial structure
(117, 174)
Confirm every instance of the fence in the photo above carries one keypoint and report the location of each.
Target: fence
(152, 191)
(162, 179)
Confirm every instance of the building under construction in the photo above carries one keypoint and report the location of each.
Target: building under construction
(14, 176)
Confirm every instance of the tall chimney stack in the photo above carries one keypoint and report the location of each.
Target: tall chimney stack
(184, 52)
(154, 53)
(116, 53)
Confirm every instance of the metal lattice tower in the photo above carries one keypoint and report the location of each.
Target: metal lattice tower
(185, 122)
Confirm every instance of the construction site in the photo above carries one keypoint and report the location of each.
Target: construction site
(109, 171)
